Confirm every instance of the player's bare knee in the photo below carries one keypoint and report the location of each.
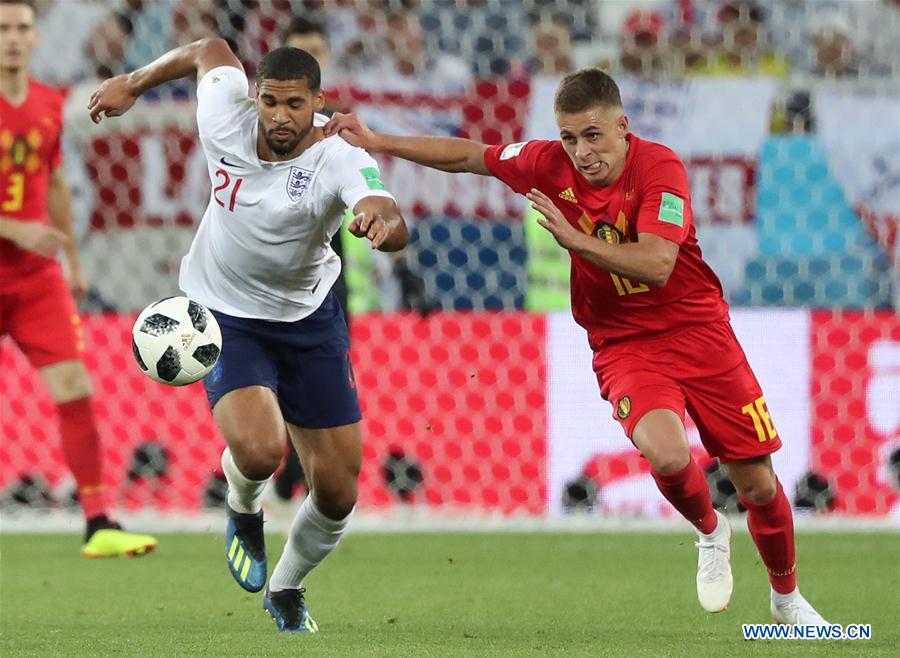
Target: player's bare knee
(335, 495)
(759, 490)
(67, 381)
(336, 506)
(256, 460)
(754, 479)
(668, 461)
(660, 437)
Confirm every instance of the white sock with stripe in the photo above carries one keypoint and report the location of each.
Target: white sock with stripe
(313, 536)
(244, 494)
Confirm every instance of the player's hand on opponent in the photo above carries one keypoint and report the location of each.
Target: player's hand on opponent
(371, 226)
(39, 238)
(113, 99)
(566, 235)
(352, 129)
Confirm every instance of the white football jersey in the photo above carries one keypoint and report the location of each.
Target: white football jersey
(263, 249)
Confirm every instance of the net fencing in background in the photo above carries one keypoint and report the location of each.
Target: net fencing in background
(488, 404)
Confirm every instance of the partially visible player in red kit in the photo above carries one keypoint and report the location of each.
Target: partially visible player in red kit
(654, 314)
(37, 309)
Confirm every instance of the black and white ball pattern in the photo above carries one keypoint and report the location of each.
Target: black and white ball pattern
(176, 341)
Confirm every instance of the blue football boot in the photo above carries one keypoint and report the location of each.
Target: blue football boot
(288, 609)
(245, 549)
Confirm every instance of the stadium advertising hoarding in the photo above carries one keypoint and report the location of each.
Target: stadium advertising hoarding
(855, 398)
(495, 412)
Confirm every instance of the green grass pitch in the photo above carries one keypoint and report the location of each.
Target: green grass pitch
(438, 595)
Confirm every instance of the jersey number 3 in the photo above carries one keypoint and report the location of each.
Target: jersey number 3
(14, 194)
(223, 187)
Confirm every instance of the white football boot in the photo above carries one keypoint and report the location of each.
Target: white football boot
(714, 580)
(796, 610)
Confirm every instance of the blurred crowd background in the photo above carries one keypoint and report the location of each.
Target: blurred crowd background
(482, 69)
(452, 40)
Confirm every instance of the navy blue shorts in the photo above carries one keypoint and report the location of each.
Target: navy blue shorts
(306, 363)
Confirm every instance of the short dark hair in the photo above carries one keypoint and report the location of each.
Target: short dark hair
(303, 26)
(585, 89)
(27, 3)
(290, 64)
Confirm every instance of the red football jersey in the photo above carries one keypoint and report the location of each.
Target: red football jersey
(650, 196)
(29, 150)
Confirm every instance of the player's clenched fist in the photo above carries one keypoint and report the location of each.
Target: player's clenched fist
(114, 98)
(371, 226)
(352, 129)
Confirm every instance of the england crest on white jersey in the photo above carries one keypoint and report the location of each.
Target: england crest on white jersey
(298, 182)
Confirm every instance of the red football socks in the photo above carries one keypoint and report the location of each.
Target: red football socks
(689, 494)
(772, 528)
(81, 447)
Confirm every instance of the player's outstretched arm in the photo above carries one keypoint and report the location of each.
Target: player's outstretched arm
(451, 154)
(378, 219)
(116, 95)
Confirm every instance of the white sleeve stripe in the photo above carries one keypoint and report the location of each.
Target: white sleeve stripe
(356, 198)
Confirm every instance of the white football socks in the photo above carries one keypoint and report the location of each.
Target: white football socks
(781, 599)
(244, 494)
(721, 527)
(312, 537)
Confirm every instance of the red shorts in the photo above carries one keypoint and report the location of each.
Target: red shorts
(701, 369)
(39, 314)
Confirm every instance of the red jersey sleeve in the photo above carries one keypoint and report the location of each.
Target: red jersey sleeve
(515, 164)
(665, 208)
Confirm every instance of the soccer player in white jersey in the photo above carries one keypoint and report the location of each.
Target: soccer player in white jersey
(262, 262)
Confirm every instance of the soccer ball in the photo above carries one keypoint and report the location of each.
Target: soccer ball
(176, 341)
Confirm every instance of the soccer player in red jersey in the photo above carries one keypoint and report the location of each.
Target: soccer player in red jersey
(37, 307)
(653, 310)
